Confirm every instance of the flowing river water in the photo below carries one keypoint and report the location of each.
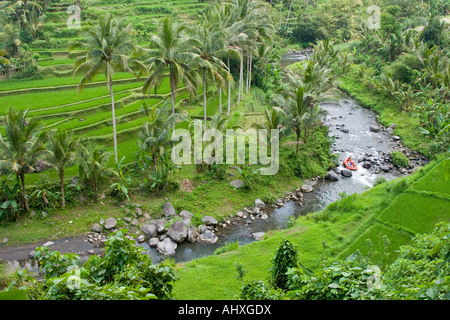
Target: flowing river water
(348, 122)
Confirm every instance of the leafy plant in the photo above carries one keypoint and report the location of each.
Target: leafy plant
(121, 187)
(399, 159)
(285, 258)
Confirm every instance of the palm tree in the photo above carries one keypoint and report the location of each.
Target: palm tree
(108, 45)
(93, 167)
(171, 48)
(62, 149)
(295, 105)
(23, 145)
(211, 50)
(312, 118)
(154, 135)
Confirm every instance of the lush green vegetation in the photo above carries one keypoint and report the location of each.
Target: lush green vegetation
(100, 103)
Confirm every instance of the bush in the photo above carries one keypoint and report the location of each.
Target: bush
(399, 159)
(284, 259)
(258, 290)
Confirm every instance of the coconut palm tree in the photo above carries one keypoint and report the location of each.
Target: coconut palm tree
(24, 143)
(108, 45)
(172, 48)
(154, 135)
(62, 147)
(93, 167)
(295, 105)
(211, 50)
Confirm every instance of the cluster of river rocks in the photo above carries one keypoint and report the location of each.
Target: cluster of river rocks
(379, 162)
(172, 229)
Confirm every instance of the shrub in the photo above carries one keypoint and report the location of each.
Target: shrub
(399, 159)
(258, 290)
(284, 259)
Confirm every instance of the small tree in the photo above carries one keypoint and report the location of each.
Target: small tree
(284, 259)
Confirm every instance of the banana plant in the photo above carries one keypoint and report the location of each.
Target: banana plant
(121, 187)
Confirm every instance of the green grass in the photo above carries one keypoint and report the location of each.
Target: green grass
(416, 212)
(55, 62)
(434, 181)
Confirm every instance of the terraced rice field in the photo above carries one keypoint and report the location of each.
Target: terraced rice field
(55, 99)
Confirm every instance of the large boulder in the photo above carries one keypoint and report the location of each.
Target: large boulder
(332, 176)
(186, 215)
(168, 210)
(307, 188)
(375, 128)
(346, 173)
(207, 237)
(259, 203)
(160, 224)
(110, 223)
(149, 230)
(209, 221)
(177, 231)
(167, 247)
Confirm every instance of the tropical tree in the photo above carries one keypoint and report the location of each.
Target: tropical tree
(93, 167)
(155, 136)
(171, 48)
(24, 143)
(108, 45)
(62, 147)
(210, 51)
(295, 105)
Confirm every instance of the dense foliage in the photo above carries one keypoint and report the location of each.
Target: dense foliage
(124, 272)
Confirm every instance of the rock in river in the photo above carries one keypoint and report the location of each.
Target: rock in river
(332, 175)
(259, 203)
(177, 231)
(258, 235)
(167, 247)
(307, 188)
(149, 230)
(207, 237)
(208, 220)
(346, 173)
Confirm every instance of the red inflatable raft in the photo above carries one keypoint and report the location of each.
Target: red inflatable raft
(350, 164)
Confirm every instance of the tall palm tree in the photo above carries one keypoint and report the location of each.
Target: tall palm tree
(62, 149)
(211, 50)
(23, 145)
(108, 45)
(172, 48)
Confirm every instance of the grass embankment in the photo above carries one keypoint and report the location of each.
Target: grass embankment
(398, 209)
(389, 113)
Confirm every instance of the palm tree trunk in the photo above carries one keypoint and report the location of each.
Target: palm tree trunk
(220, 100)
(298, 140)
(229, 88)
(61, 182)
(289, 12)
(172, 92)
(113, 116)
(204, 95)
(24, 194)
(248, 70)
(241, 80)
